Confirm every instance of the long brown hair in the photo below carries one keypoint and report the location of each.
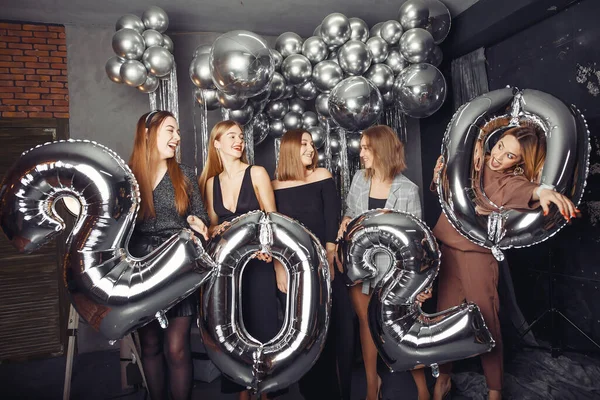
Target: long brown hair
(144, 159)
(388, 151)
(213, 165)
(290, 167)
(533, 149)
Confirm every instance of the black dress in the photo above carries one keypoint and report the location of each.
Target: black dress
(259, 286)
(317, 206)
(152, 232)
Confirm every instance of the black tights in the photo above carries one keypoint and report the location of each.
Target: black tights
(173, 345)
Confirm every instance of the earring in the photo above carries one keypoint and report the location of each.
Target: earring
(518, 170)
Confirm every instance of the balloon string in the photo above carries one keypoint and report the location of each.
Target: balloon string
(344, 170)
(276, 146)
(249, 140)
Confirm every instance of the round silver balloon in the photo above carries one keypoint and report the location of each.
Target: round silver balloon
(326, 75)
(322, 104)
(318, 135)
(241, 63)
(403, 334)
(413, 14)
(158, 61)
(353, 143)
(232, 102)
(420, 90)
(315, 49)
(133, 73)
(168, 43)
(113, 69)
(128, 43)
(335, 29)
(156, 18)
(355, 103)
(439, 20)
(334, 143)
(297, 105)
(396, 61)
(416, 44)
(317, 31)
(130, 21)
(378, 48)
(288, 43)
(277, 86)
(391, 31)
(202, 49)
(150, 85)
(292, 120)
(208, 97)
(289, 92)
(388, 98)
(309, 118)
(359, 29)
(307, 91)
(276, 128)
(296, 69)
(277, 109)
(333, 56)
(382, 77)
(260, 128)
(277, 59)
(321, 159)
(200, 72)
(152, 38)
(108, 197)
(435, 57)
(376, 30)
(243, 115)
(260, 101)
(354, 57)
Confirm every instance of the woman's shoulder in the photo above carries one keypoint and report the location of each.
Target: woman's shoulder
(259, 174)
(359, 176)
(401, 179)
(321, 174)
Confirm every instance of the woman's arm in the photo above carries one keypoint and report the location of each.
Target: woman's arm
(212, 215)
(352, 200)
(331, 208)
(547, 196)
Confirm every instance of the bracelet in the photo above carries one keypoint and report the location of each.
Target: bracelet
(542, 187)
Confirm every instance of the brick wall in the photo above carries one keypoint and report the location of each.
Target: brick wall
(33, 71)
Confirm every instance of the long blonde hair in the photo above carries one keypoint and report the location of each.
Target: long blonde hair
(290, 167)
(214, 165)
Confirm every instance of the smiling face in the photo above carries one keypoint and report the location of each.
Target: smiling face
(167, 138)
(307, 149)
(366, 153)
(231, 142)
(505, 154)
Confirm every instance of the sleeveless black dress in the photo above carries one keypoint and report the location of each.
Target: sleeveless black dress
(259, 286)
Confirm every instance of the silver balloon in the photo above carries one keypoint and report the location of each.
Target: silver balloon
(243, 115)
(376, 30)
(276, 128)
(288, 43)
(200, 72)
(156, 18)
(260, 125)
(388, 98)
(322, 104)
(413, 14)
(113, 69)
(277, 86)
(130, 21)
(566, 166)
(416, 44)
(208, 97)
(353, 143)
(378, 48)
(297, 105)
(241, 63)
(439, 20)
(354, 57)
(317, 31)
(420, 90)
(307, 91)
(158, 61)
(296, 69)
(260, 101)
(168, 43)
(334, 143)
(435, 57)
(326, 75)
(277, 59)
(309, 118)
(407, 338)
(335, 29)
(359, 29)
(355, 103)
(202, 49)
(382, 77)
(152, 38)
(277, 109)
(128, 43)
(133, 73)
(391, 31)
(150, 85)
(292, 120)
(111, 290)
(396, 61)
(315, 49)
(232, 102)
(289, 92)
(318, 135)
(266, 367)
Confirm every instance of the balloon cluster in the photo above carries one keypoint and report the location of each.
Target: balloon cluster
(143, 51)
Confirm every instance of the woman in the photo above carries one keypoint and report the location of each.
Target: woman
(380, 185)
(170, 201)
(308, 194)
(470, 272)
(230, 188)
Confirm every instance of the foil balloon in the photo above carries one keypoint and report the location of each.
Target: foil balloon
(376, 30)
(260, 124)
(395, 61)
(243, 115)
(420, 90)
(113, 291)
(416, 44)
(317, 31)
(207, 97)
(307, 91)
(200, 71)
(297, 105)
(277, 59)
(277, 109)
(354, 57)
(355, 103)
(296, 69)
(156, 18)
(322, 104)
(354, 144)
(150, 85)
(232, 102)
(378, 49)
(241, 63)
(266, 367)
(289, 92)
(334, 143)
(260, 101)
(288, 43)
(435, 57)
(277, 86)
(467, 137)
(133, 73)
(318, 136)
(309, 118)
(406, 338)
(315, 49)
(276, 128)
(152, 38)
(158, 61)
(202, 49)
(130, 21)
(326, 75)
(292, 120)
(439, 20)
(128, 43)
(168, 43)
(359, 29)
(335, 29)
(391, 31)
(113, 69)
(382, 77)
(413, 14)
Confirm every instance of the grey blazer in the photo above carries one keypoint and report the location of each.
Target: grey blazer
(404, 196)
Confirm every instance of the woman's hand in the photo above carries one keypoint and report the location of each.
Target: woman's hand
(217, 229)
(198, 225)
(280, 276)
(266, 257)
(564, 204)
(424, 295)
(343, 226)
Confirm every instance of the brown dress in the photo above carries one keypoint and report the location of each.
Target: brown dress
(470, 272)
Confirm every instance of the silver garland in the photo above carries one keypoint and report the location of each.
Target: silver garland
(276, 146)
(344, 170)
(203, 129)
(249, 139)
(395, 119)
(327, 146)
